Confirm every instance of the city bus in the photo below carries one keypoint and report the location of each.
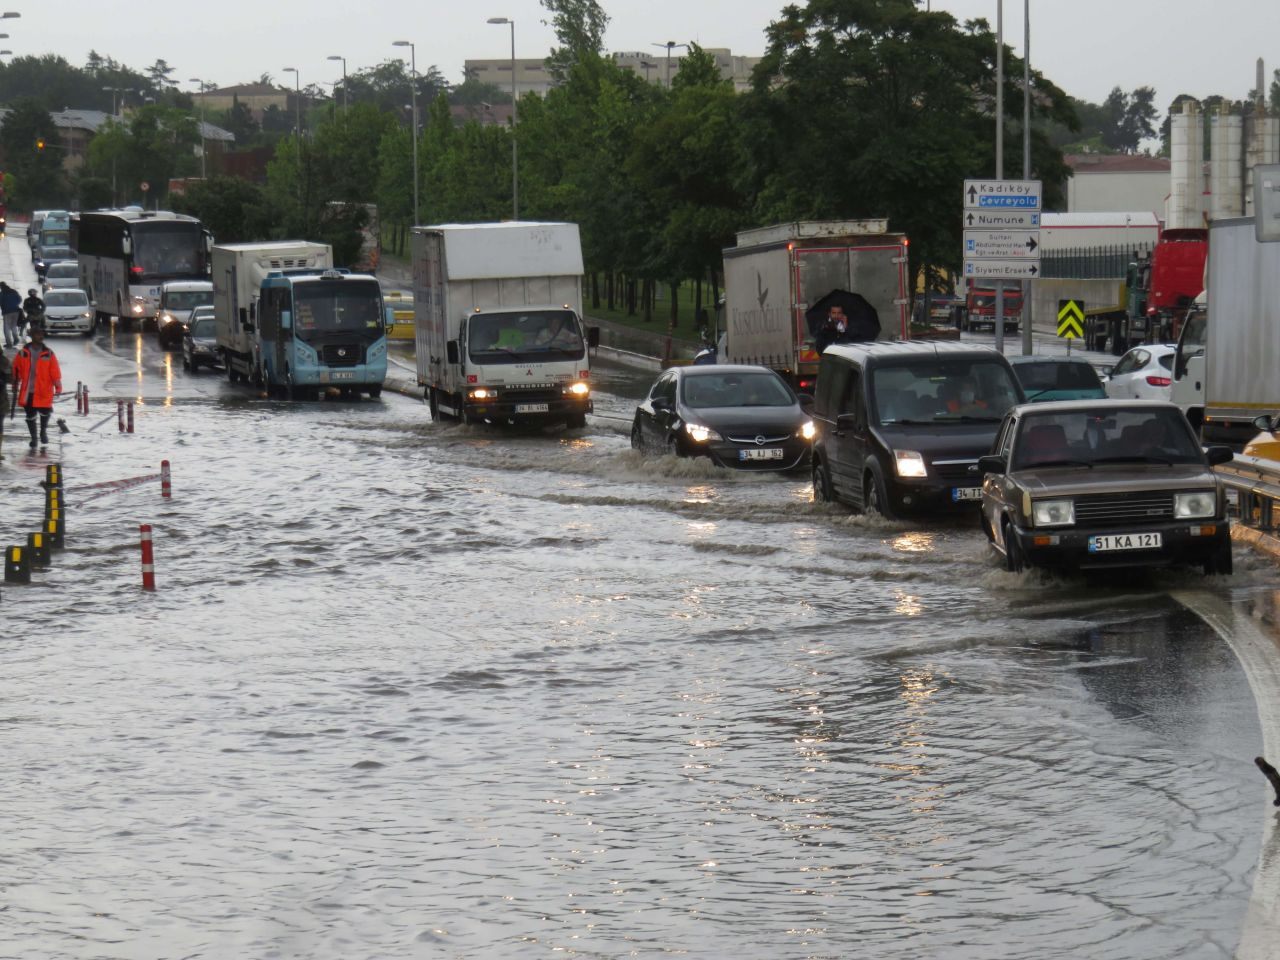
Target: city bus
(126, 256)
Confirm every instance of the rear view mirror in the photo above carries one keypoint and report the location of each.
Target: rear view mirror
(451, 351)
(806, 401)
(1264, 422)
(661, 403)
(593, 336)
(992, 463)
(1218, 453)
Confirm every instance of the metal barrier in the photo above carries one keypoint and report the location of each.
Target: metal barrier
(1253, 492)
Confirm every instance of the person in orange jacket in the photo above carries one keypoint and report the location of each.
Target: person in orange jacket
(37, 379)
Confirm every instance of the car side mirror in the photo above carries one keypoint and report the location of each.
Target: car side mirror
(846, 421)
(593, 337)
(451, 351)
(1264, 422)
(806, 402)
(661, 403)
(1219, 453)
(992, 463)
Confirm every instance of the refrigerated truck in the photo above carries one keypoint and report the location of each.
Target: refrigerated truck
(498, 322)
(289, 322)
(775, 274)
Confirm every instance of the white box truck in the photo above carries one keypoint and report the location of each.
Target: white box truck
(1227, 368)
(777, 277)
(287, 321)
(498, 313)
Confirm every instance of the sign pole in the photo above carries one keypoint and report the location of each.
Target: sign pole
(1000, 154)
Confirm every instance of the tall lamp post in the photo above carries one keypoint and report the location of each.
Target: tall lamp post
(297, 86)
(646, 66)
(344, 82)
(670, 45)
(413, 90)
(515, 175)
(117, 104)
(204, 167)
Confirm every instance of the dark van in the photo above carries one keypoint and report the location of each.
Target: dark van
(900, 426)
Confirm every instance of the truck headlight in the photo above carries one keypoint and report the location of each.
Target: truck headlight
(482, 393)
(579, 389)
(807, 430)
(908, 463)
(700, 434)
(1053, 513)
(1188, 506)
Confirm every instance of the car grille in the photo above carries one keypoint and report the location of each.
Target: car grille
(757, 439)
(342, 354)
(1124, 508)
(957, 470)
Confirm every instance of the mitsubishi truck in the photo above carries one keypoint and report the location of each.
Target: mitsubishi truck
(290, 323)
(776, 278)
(498, 323)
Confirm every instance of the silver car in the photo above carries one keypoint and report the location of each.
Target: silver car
(62, 276)
(67, 310)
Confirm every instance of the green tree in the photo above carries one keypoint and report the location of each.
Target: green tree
(33, 156)
(153, 145)
(875, 108)
(579, 25)
(234, 210)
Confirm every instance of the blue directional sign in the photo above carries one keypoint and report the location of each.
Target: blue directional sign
(1002, 195)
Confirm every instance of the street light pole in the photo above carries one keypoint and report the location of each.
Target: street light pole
(413, 90)
(670, 45)
(297, 86)
(344, 82)
(204, 168)
(515, 176)
(1027, 346)
(999, 284)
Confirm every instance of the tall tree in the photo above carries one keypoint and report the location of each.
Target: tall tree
(33, 156)
(579, 25)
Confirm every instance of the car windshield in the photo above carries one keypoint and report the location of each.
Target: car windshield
(1116, 436)
(66, 298)
(204, 329)
(735, 389)
(187, 299)
(63, 271)
(1054, 375)
(942, 389)
(535, 335)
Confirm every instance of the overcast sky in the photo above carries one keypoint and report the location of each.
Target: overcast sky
(1087, 47)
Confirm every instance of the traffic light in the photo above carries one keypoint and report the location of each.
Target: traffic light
(40, 144)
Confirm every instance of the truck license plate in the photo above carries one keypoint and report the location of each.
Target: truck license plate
(1124, 541)
(532, 408)
(343, 375)
(966, 493)
(761, 453)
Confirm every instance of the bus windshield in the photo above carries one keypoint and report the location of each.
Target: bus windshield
(167, 251)
(329, 306)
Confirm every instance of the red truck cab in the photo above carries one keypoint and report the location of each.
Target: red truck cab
(980, 307)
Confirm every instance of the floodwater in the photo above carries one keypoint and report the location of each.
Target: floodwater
(421, 690)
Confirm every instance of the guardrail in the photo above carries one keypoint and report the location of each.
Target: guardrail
(1253, 499)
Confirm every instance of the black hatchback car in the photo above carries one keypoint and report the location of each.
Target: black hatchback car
(744, 417)
(900, 426)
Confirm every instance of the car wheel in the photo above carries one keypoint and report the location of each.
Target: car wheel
(1220, 562)
(576, 421)
(673, 446)
(375, 392)
(637, 436)
(433, 404)
(1014, 561)
(822, 492)
(875, 502)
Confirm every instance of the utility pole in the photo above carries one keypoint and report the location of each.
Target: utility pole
(515, 175)
(1028, 346)
(999, 284)
(204, 170)
(413, 90)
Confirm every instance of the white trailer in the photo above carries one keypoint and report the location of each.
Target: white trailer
(498, 314)
(1234, 357)
(775, 274)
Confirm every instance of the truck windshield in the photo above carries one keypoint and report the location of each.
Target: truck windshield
(527, 337)
(187, 299)
(55, 238)
(343, 306)
(936, 390)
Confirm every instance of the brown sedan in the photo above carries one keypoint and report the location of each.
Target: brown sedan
(1090, 484)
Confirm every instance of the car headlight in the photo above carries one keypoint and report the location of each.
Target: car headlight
(807, 430)
(908, 463)
(482, 393)
(1188, 506)
(1053, 513)
(579, 389)
(700, 434)
(88, 315)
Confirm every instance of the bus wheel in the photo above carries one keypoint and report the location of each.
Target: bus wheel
(375, 392)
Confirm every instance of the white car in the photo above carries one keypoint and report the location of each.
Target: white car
(1144, 373)
(62, 276)
(68, 311)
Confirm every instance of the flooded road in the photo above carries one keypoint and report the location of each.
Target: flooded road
(421, 690)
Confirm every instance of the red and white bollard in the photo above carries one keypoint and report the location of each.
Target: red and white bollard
(129, 427)
(165, 490)
(120, 415)
(148, 562)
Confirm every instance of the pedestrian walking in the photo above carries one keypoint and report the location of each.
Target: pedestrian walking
(4, 383)
(11, 308)
(37, 379)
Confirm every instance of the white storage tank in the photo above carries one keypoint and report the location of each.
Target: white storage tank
(1226, 165)
(1186, 154)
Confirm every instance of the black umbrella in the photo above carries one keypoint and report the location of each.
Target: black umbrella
(864, 322)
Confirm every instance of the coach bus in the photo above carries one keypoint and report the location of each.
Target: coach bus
(126, 256)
